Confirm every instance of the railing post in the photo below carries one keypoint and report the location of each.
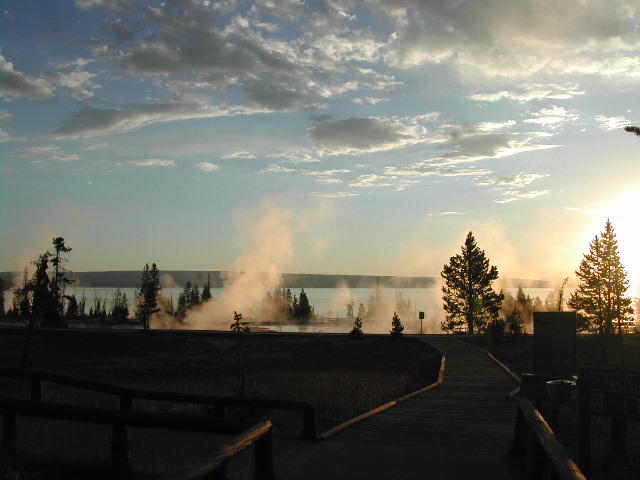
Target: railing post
(263, 453)
(126, 403)
(9, 434)
(584, 420)
(219, 409)
(36, 389)
(521, 434)
(539, 460)
(309, 422)
(120, 449)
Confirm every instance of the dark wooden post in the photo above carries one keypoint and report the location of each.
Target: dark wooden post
(9, 434)
(584, 421)
(309, 422)
(126, 403)
(36, 389)
(521, 434)
(219, 409)
(220, 473)
(263, 453)
(539, 460)
(120, 449)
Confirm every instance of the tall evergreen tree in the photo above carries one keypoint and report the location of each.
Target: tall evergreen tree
(59, 281)
(206, 290)
(396, 326)
(147, 294)
(303, 307)
(469, 299)
(600, 299)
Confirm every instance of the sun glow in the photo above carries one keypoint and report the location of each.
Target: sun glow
(624, 213)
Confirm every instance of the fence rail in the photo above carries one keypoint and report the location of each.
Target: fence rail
(129, 395)
(547, 451)
(248, 433)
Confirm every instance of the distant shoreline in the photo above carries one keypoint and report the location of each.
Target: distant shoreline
(178, 278)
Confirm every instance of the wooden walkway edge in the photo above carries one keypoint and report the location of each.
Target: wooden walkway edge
(462, 428)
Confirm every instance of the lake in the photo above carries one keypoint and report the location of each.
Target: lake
(330, 304)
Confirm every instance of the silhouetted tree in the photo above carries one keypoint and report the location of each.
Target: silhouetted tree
(632, 129)
(362, 311)
(2, 290)
(600, 299)
(147, 294)
(356, 332)
(303, 310)
(469, 299)
(59, 281)
(515, 322)
(206, 290)
(350, 309)
(240, 327)
(120, 309)
(396, 326)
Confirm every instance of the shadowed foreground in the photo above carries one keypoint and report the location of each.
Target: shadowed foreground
(460, 429)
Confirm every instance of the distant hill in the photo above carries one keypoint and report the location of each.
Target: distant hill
(178, 278)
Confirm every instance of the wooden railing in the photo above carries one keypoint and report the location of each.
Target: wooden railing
(129, 395)
(547, 453)
(248, 433)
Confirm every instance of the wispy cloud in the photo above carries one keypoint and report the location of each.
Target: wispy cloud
(16, 84)
(207, 167)
(153, 162)
(359, 135)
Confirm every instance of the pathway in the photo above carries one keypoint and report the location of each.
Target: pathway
(460, 429)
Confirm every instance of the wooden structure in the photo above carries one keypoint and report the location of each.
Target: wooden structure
(248, 433)
(129, 395)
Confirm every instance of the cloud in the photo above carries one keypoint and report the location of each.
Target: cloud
(358, 135)
(77, 82)
(207, 167)
(91, 121)
(17, 84)
(519, 180)
(552, 117)
(611, 123)
(532, 91)
(242, 154)
(513, 195)
(41, 154)
(114, 5)
(499, 38)
(152, 162)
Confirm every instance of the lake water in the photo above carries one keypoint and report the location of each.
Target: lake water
(330, 304)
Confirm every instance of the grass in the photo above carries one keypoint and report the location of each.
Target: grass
(517, 354)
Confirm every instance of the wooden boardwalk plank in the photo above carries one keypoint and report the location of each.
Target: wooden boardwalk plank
(460, 429)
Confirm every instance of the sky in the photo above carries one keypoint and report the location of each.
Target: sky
(336, 137)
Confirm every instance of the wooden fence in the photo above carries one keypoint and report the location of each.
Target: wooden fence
(129, 395)
(247, 433)
(532, 430)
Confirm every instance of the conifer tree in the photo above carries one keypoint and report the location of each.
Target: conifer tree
(469, 299)
(148, 293)
(600, 299)
(396, 326)
(206, 290)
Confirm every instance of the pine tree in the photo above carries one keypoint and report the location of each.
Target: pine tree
(59, 281)
(356, 331)
(206, 290)
(469, 299)
(600, 299)
(396, 326)
(148, 293)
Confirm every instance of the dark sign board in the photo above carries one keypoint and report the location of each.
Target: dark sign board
(613, 393)
(554, 336)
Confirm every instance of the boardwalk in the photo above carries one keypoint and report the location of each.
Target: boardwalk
(458, 430)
